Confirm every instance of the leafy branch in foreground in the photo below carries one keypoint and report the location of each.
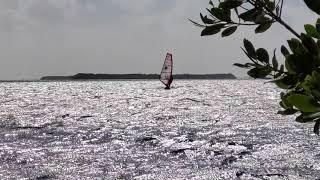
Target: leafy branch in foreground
(299, 77)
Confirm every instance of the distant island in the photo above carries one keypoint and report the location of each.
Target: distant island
(89, 76)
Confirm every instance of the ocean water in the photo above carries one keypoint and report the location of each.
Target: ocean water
(208, 129)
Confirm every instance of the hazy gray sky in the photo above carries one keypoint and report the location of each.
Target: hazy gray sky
(63, 37)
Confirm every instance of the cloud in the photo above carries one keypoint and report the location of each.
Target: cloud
(51, 37)
(135, 7)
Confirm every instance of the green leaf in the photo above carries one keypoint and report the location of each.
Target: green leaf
(304, 103)
(318, 43)
(262, 55)
(259, 72)
(288, 112)
(318, 27)
(315, 93)
(312, 31)
(280, 83)
(249, 48)
(314, 5)
(206, 20)
(296, 63)
(251, 58)
(303, 118)
(228, 31)
(291, 64)
(216, 12)
(300, 63)
(286, 82)
(211, 30)
(281, 68)
(307, 84)
(249, 15)
(275, 63)
(284, 101)
(263, 27)
(230, 4)
(284, 51)
(197, 24)
(310, 44)
(261, 19)
(226, 15)
(221, 14)
(247, 65)
(294, 44)
(283, 105)
(271, 4)
(312, 116)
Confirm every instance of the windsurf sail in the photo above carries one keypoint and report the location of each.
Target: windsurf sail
(166, 72)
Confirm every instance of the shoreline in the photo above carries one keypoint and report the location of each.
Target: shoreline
(93, 80)
(90, 76)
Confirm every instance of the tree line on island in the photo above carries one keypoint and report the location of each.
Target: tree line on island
(84, 76)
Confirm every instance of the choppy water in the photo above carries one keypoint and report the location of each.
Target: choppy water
(137, 130)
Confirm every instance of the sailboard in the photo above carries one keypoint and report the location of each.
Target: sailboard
(166, 72)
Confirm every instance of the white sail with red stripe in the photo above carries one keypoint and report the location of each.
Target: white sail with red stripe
(166, 72)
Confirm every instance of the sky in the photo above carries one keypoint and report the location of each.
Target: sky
(64, 37)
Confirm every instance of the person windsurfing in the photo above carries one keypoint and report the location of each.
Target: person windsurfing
(169, 82)
(166, 73)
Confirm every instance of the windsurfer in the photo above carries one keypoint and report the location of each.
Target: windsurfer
(166, 72)
(169, 83)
